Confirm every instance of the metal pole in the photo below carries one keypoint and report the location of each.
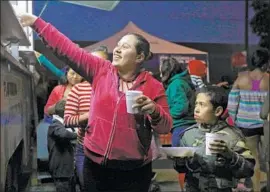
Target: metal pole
(246, 29)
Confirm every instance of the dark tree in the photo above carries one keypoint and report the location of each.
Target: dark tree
(260, 23)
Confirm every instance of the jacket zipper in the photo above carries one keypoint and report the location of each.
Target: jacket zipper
(109, 145)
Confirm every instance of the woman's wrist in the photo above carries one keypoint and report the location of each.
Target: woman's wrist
(33, 20)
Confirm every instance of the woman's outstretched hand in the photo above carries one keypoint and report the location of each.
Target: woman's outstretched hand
(37, 54)
(27, 20)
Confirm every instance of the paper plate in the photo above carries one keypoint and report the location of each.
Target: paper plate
(179, 151)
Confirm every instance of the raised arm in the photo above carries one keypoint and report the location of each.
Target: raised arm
(84, 63)
(49, 65)
(234, 99)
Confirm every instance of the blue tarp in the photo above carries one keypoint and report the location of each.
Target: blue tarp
(177, 21)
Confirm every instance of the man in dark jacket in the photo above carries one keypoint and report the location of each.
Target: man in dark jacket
(61, 151)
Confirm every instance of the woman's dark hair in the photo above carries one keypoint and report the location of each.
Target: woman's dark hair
(168, 68)
(65, 69)
(142, 46)
(63, 80)
(226, 78)
(260, 58)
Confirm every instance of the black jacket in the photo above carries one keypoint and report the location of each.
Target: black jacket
(61, 150)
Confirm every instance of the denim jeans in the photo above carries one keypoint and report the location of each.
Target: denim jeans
(79, 161)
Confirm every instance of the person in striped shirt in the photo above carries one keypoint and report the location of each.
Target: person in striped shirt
(77, 113)
(245, 102)
(197, 70)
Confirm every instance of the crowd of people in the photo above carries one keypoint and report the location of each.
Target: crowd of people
(92, 138)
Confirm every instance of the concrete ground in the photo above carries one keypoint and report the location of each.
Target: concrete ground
(165, 187)
(166, 177)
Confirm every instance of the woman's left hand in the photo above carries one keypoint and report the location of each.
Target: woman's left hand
(27, 20)
(145, 105)
(221, 147)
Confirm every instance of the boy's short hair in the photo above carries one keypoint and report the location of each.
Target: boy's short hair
(218, 97)
(60, 108)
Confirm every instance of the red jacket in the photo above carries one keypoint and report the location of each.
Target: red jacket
(113, 135)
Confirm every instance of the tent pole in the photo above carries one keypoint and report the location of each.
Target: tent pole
(246, 30)
(208, 70)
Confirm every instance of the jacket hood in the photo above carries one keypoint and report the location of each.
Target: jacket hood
(182, 76)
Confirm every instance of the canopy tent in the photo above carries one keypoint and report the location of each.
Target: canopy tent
(158, 46)
(161, 48)
(239, 59)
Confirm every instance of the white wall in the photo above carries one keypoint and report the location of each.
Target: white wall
(25, 7)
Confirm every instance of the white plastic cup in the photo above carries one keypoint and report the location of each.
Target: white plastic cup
(210, 137)
(131, 95)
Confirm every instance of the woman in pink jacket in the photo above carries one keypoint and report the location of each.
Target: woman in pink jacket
(116, 143)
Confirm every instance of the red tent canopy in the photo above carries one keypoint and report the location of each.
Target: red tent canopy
(158, 45)
(239, 59)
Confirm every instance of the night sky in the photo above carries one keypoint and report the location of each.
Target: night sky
(178, 21)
